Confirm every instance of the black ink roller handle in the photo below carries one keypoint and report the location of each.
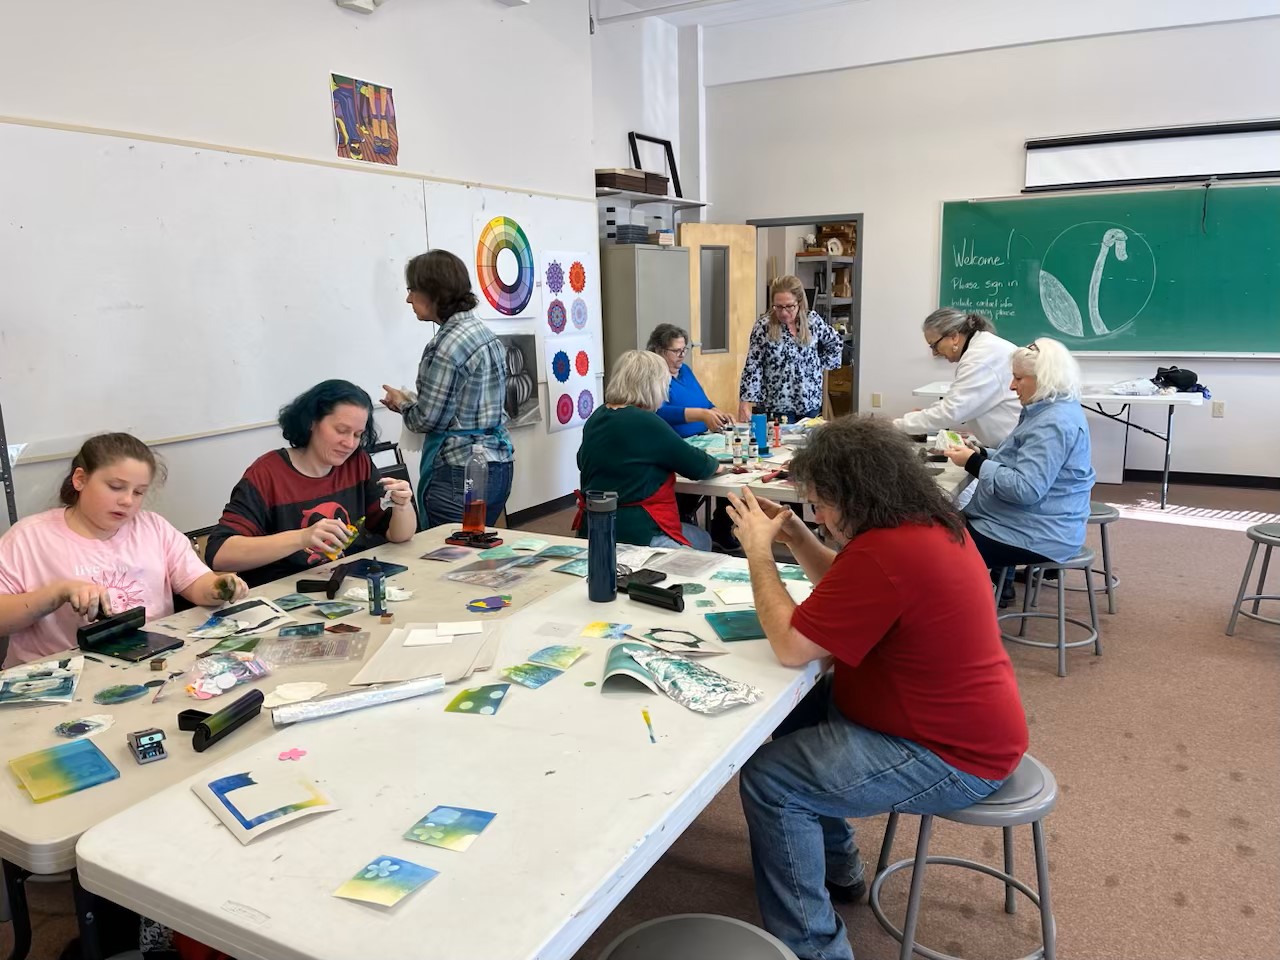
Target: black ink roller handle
(209, 728)
(669, 598)
(328, 587)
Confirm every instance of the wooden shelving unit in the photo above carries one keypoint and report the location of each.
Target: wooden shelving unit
(818, 273)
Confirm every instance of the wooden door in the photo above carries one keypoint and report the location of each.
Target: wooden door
(719, 371)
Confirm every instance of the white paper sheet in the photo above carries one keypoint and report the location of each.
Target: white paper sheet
(425, 637)
(461, 628)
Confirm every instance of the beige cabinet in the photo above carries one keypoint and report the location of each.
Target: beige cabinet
(641, 286)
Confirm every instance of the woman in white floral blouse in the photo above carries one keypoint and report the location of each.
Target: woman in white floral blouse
(790, 346)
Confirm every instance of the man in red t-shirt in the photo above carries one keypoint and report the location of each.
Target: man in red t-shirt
(920, 713)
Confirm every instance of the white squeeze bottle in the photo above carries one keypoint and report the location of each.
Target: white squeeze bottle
(737, 450)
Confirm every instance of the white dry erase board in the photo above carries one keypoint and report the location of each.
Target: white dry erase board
(174, 290)
(170, 290)
(177, 291)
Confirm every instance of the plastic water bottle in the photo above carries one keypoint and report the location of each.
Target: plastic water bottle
(475, 480)
(602, 545)
(377, 581)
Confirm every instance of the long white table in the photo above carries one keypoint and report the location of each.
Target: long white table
(950, 478)
(1093, 402)
(585, 803)
(41, 838)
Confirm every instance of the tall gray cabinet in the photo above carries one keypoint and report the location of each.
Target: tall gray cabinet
(641, 286)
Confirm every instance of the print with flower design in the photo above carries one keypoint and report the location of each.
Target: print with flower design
(454, 828)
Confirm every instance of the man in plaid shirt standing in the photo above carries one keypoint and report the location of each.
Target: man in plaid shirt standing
(462, 382)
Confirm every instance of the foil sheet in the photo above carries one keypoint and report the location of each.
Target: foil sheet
(356, 700)
(694, 685)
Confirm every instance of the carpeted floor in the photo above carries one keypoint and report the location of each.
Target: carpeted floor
(1165, 842)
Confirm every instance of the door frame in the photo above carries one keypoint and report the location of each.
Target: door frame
(855, 314)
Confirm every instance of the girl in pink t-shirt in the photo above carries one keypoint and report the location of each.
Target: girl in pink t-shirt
(100, 553)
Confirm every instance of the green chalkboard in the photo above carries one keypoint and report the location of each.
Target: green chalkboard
(1181, 270)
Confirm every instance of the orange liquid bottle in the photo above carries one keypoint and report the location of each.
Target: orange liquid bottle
(475, 479)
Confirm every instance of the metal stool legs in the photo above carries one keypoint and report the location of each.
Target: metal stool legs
(906, 936)
(1106, 569)
(1262, 577)
(1242, 596)
(1030, 597)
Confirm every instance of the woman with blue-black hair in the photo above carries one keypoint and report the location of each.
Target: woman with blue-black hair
(296, 507)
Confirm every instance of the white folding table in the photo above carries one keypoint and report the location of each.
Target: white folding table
(1093, 402)
(585, 803)
(950, 478)
(41, 838)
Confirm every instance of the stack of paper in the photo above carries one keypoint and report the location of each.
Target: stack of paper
(453, 650)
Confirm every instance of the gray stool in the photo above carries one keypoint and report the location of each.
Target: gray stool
(1267, 534)
(1084, 561)
(1102, 515)
(1028, 796)
(696, 936)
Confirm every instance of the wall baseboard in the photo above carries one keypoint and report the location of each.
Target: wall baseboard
(1206, 479)
(537, 512)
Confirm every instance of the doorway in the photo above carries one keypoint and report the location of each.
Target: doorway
(825, 252)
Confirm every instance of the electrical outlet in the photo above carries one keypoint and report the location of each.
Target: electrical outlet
(1219, 408)
(877, 400)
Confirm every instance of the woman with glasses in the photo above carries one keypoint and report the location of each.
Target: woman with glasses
(789, 348)
(688, 408)
(980, 396)
(689, 411)
(1031, 499)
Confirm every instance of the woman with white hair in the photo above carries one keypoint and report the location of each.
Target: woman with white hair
(979, 396)
(1031, 500)
(627, 448)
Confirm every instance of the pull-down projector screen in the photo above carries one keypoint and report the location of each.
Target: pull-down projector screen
(1156, 156)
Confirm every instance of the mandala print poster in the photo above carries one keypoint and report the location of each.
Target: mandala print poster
(568, 289)
(572, 363)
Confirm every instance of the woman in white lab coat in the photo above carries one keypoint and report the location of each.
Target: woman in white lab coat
(980, 397)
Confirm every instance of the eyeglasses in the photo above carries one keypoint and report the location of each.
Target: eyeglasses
(1033, 347)
(677, 353)
(933, 347)
(786, 307)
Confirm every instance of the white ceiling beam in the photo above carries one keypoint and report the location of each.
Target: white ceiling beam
(669, 8)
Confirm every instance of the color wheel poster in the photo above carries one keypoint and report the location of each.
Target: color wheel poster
(505, 269)
(568, 287)
(571, 380)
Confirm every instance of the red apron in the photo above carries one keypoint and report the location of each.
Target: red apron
(659, 505)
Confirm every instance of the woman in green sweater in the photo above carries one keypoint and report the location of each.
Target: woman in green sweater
(628, 448)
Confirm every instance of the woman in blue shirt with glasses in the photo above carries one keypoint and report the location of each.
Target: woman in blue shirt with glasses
(688, 408)
(689, 412)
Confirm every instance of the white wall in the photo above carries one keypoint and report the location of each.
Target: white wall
(471, 79)
(635, 79)
(884, 31)
(483, 93)
(914, 134)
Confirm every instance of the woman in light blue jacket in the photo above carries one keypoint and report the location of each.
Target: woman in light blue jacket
(1031, 500)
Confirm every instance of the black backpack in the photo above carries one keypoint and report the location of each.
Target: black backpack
(1181, 380)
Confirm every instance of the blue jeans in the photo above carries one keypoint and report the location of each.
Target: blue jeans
(444, 494)
(698, 538)
(796, 793)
